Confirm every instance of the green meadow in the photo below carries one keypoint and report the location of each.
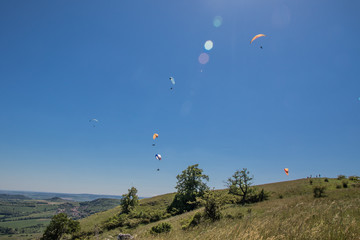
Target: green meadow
(291, 212)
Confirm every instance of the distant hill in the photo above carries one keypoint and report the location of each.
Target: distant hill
(56, 199)
(13, 197)
(67, 196)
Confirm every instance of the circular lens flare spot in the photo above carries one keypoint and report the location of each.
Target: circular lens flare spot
(217, 21)
(203, 58)
(208, 45)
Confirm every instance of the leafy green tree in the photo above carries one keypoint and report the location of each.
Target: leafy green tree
(129, 200)
(190, 185)
(60, 224)
(239, 184)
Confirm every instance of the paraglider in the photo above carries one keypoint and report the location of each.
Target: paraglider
(158, 169)
(93, 121)
(172, 81)
(158, 156)
(155, 136)
(257, 36)
(286, 171)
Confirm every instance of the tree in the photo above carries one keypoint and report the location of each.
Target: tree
(239, 184)
(189, 186)
(60, 224)
(129, 201)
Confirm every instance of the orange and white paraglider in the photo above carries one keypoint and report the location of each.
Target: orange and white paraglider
(257, 36)
(286, 171)
(155, 136)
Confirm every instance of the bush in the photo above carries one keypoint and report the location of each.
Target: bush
(240, 215)
(341, 177)
(281, 196)
(326, 180)
(345, 183)
(161, 228)
(319, 191)
(230, 216)
(311, 182)
(354, 178)
(116, 221)
(255, 196)
(338, 186)
(192, 222)
(133, 223)
(213, 202)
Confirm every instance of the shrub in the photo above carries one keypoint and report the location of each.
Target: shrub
(133, 223)
(116, 221)
(193, 221)
(311, 182)
(354, 178)
(281, 196)
(326, 180)
(255, 196)
(319, 191)
(345, 183)
(239, 215)
(230, 216)
(161, 228)
(338, 186)
(341, 177)
(156, 216)
(213, 202)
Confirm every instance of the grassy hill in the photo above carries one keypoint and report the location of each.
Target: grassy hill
(291, 212)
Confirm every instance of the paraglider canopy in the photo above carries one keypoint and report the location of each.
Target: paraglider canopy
(155, 136)
(158, 157)
(257, 36)
(93, 121)
(286, 171)
(172, 80)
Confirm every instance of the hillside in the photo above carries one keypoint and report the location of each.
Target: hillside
(291, 212)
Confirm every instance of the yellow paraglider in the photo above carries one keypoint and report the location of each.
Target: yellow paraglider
(286, 171)
(257, 36)
(155, 136)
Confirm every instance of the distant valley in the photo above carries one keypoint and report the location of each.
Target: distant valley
(26, 214)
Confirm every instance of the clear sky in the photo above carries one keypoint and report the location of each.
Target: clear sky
(292, 104)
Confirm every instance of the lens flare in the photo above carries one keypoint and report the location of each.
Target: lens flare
(217, 21)
(208, 45)
(204, 58)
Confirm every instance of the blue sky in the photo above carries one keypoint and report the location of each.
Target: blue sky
(294, 103)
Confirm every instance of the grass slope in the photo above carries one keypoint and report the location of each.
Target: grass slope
(291, 213)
